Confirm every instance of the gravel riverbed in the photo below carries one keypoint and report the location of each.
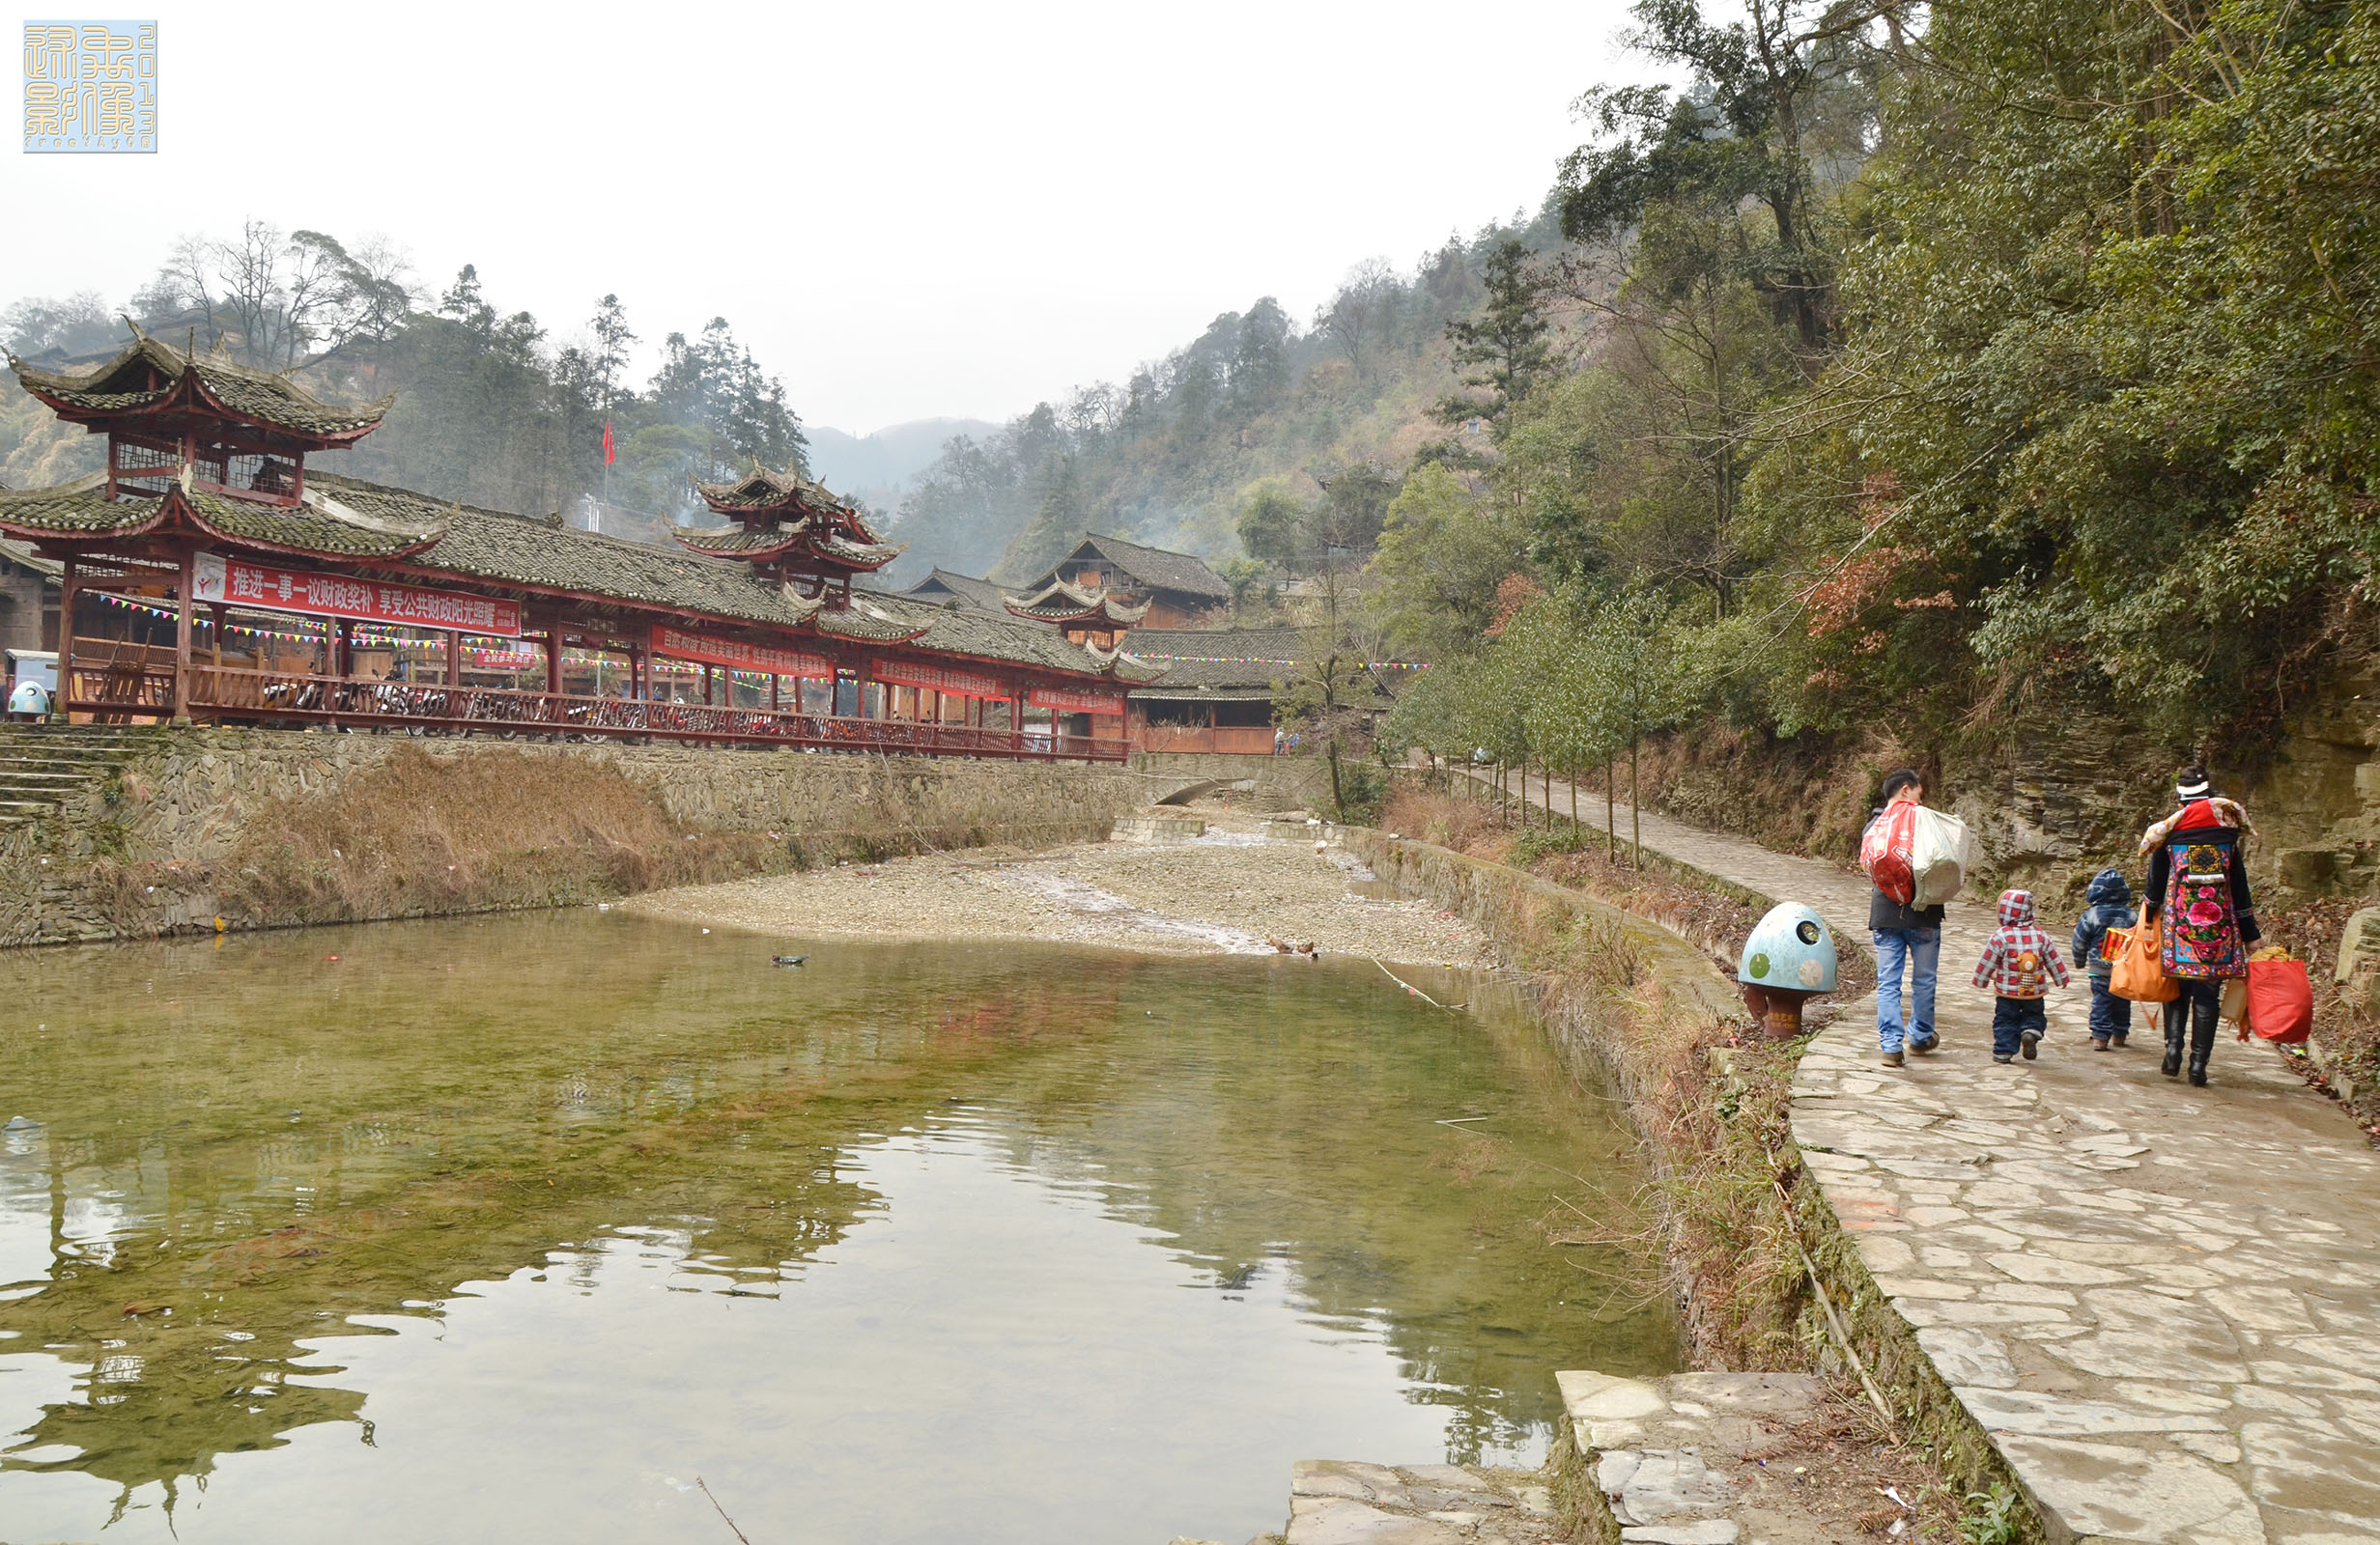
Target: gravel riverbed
(1229, 892)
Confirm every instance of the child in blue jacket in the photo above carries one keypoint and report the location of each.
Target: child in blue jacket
(2110, 907)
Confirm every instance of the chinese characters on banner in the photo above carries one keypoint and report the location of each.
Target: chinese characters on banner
(236, 582)
(937, 679)
(1067, 700)
(736, 655)
(90, 86)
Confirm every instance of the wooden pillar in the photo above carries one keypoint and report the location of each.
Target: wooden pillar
(70, 589)
(554, 659)
(774, 679)
(710, 675)
(215, 614)
(454, 659)
(182, 638)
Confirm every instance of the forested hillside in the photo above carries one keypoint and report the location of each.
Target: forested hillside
(1260, 403)
(1961, 368)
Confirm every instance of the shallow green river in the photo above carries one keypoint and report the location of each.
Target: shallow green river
(512, 1229)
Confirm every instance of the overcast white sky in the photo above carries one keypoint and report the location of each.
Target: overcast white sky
(906, 209)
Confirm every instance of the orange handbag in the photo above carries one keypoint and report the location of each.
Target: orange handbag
(2139, 972)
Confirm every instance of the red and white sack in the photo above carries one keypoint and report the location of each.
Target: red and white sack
(1884, 852)
(1941, 852)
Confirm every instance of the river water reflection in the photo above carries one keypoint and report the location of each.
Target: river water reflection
(512, 1228)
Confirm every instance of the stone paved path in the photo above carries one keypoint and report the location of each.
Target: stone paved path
(2161, 1302)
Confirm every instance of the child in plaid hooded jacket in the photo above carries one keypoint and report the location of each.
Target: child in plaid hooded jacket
(2019, 964)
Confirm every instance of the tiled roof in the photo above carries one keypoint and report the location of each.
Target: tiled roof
(988, 635)
(1220, 657)
(1058, 601)
(761, 488)
(257, 396)
(1233, 663)
(781, 511)
(373, 527)
(735, 541)
(17, 553)
(1154, 568)
(491, 546)
(857, 554)
(870, 623)
(980, 594)
(79, 507)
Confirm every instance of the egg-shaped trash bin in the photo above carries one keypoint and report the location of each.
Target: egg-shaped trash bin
(1791, 948)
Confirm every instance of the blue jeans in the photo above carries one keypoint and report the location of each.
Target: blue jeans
(2110, 1015)
(2011, 1018)
(1921, 950)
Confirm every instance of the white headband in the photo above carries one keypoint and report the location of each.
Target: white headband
(2191, 791)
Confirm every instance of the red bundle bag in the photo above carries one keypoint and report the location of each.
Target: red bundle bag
(1884, 851)
(2281, 1000)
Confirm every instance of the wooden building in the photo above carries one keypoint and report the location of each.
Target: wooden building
(29, 589)
(941, 587)
(211, 573)
(1178, 590)
(1222, 686)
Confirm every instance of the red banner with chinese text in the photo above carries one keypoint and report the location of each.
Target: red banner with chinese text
(236, 582)
(736, 655)
(939, 679)
(1073, 700)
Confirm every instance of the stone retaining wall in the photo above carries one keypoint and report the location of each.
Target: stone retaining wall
(133, 855)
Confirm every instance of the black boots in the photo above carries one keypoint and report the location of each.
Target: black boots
(2192, 1016)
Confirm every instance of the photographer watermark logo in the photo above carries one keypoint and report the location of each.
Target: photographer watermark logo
(90, 86)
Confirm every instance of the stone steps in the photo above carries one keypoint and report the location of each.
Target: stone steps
(42, 766)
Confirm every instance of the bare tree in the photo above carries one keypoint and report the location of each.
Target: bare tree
(1093, 409)
(254, 296)
(184, 288)
(340, 296)
(1358, 314)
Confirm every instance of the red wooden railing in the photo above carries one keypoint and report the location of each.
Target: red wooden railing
(223, 694)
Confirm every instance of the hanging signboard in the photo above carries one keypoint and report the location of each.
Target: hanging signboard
(1073, 700)
(737, 655)
(224, 581)
(939, 679)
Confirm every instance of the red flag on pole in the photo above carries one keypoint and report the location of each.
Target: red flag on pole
(606, 442)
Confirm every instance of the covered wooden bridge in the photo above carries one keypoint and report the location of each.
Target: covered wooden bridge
(211, 574)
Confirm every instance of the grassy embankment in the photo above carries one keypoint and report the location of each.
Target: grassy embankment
(1733, 1207)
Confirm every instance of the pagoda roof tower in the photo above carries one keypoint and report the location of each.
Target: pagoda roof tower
(218, 429)
(788, 526)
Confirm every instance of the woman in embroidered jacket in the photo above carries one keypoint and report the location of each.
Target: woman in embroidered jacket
(2197, 894)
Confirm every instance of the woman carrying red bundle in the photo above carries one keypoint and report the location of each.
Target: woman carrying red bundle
(2197, 894)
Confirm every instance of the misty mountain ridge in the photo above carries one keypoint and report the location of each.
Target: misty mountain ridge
(879, 467)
